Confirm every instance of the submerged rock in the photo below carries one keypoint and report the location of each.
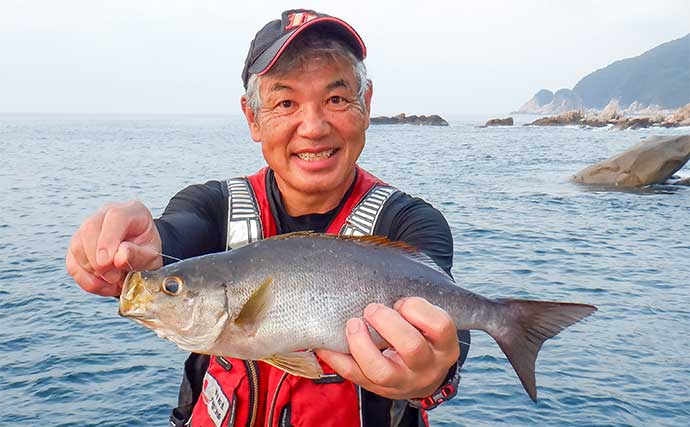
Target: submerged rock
(679, 181)
(634, 123)
(652, 161)
(401, 119)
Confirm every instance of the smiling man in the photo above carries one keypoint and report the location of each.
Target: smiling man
(307, 103)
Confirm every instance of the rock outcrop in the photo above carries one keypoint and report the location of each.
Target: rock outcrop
(635, 123)
(652, 161)
(678, 118)
(569, 118)
(508, 121)
(612, 116)
(402, 119)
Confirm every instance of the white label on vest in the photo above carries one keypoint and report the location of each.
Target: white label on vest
(216, 402)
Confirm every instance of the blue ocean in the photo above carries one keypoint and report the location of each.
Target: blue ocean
(520, 228)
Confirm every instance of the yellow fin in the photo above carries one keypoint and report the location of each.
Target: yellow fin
(256, 308)
(300, 363)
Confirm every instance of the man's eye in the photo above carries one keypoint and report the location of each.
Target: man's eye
(336, 99)
(285, 104)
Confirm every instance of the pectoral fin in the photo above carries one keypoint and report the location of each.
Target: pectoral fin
(256, 308)
(301, 364)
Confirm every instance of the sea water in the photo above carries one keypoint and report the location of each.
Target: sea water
(520, 229)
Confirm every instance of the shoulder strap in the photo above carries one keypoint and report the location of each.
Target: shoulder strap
(250, 218)
(258, 184)
(244, 218)
(361, 211)
(364, 217)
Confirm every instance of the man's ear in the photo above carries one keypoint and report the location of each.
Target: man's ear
(250, 115)
(367, 99)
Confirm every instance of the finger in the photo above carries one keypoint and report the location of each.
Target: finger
(432, 321)
(84, 248)
(88, 234)
(77, 254)
(130, 256)
(345, 366)
(129, 220)
(114, 276)
(375, 366)
(90, 282)
(408, 342)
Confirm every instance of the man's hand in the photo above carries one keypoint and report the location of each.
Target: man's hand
(424, 345)
(116, 239)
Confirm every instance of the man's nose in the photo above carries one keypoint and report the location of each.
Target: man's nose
(314, 122)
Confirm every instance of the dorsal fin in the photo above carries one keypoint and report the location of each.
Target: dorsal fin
(296, 234)
(382, 241)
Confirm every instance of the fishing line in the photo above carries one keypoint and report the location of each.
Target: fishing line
(157, 253)
(168, 256)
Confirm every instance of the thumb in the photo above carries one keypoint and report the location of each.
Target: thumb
(133, 257)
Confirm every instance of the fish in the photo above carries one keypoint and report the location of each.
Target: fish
(273, 299)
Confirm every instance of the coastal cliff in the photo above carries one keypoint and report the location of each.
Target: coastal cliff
(656, 81)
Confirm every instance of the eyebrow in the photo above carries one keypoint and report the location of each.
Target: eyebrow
(276, 87)
(338, 83)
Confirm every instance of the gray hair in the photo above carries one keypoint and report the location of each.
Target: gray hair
(311, 45)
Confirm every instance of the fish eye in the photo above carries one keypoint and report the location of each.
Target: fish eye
(172, 285)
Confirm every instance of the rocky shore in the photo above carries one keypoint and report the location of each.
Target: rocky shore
(611, 116)
(403, 119)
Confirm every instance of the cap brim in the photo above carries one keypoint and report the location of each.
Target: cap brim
(270, 56)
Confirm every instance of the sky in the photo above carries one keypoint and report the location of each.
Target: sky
(186, 56)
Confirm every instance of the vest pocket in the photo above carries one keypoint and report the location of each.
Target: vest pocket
(224, 397)
(325, 404)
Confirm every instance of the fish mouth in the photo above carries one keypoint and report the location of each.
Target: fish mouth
(135, 297)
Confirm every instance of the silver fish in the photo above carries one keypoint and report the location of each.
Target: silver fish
(272, 298)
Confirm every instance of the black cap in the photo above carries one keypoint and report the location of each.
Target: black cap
(272, 40)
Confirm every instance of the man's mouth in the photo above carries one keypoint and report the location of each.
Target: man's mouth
(321, 155)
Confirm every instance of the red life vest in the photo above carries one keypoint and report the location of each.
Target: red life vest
(249, 393)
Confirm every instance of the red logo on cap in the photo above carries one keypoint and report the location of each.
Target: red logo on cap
(298, 19)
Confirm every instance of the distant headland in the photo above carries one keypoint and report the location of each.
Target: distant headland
(655, 82)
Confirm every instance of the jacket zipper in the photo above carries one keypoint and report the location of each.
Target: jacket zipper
(275, 399)
(253, 390)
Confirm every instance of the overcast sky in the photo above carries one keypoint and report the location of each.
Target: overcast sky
(185, 56)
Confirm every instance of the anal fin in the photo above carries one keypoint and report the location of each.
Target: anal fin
(299, 363)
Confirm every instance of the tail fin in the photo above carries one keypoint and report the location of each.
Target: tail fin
(533, 322)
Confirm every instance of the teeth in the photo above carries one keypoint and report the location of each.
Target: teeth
(316, 156)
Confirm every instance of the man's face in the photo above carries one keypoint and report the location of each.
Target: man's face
(311, 126)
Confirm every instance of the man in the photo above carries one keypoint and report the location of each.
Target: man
(307, 102)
